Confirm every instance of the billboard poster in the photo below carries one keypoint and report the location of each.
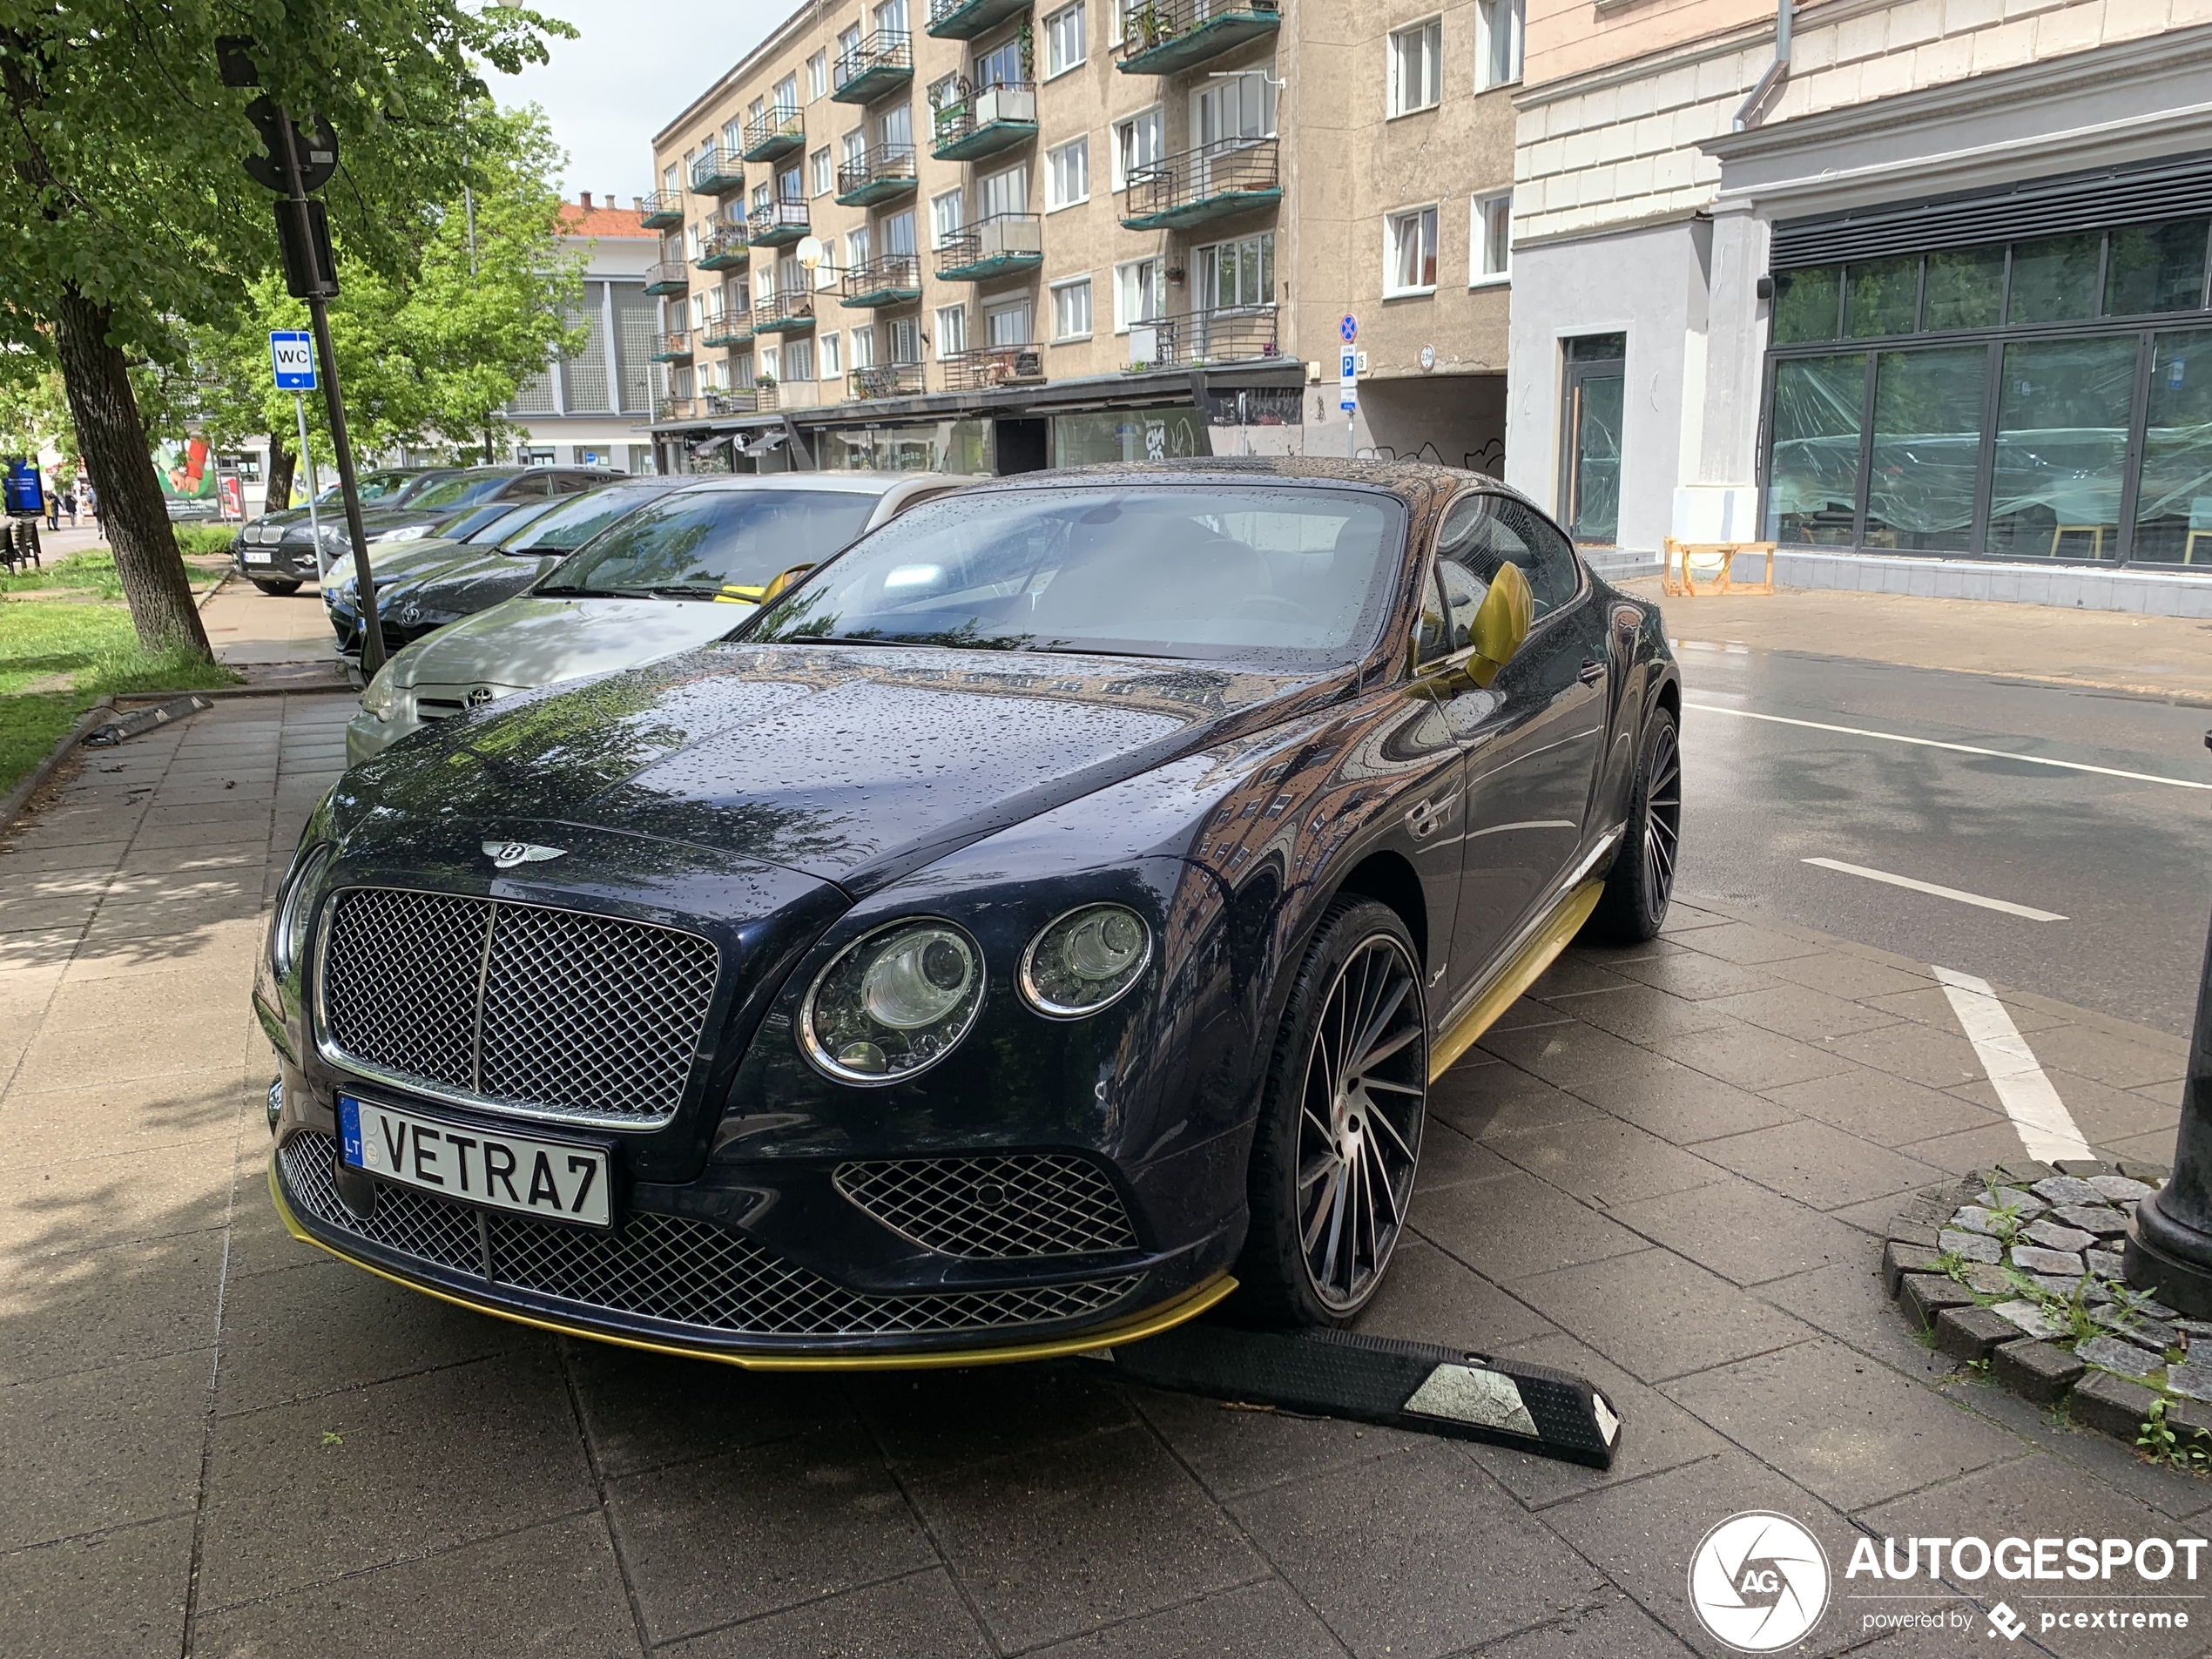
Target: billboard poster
(187, 476)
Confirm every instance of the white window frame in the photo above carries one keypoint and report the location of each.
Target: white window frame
(1412, 101)
(1480, 250)
(859, 247)
(733, 139)
(786, 95)
(940, 232)
(1392, 221)
(1124, 281)
(829, 358)
(821, 172)
(802, 350)
(772, 363)
(1068, 21)
(863, 345)
(1488, 17)
(818, 75)
(1068, 285)
(1056, 163)
(1125, 135)
(958, 315)
(1005, 308)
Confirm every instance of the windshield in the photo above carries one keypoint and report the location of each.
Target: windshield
(573, 521)
(371, 487)
(510, 520)
(458, 491)
(1198, 571)
(709, 542)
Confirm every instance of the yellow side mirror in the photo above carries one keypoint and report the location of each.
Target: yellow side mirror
(1500, 624)
(785, 580)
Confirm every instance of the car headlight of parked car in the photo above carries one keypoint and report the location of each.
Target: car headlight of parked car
(1084, 960)
(382, 696)
(405, 533)
(297, 905)
(892, 1004)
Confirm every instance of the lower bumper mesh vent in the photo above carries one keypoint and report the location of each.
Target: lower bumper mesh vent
(668, 1268)
(1022, 1204)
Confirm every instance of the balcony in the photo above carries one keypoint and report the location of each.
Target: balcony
(662, 211)
(992, 248)
(727, 328)
(1167, 36)
(667, 276)
(894, 279)
(992, 365)
(674, 347)
(982, 124)
(774, 135)
(1227, 335)
(965, 19)
(1178, 192)
(743, 399)
(887, 379)
(667, 409)
(881, 63)
(881, 175)
(724, 246)
(783, 314)
(776, 224)
(716, 171)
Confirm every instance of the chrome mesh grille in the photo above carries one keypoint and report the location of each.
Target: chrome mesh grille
(672, 1268)
(555, 1012)
(993, 1209)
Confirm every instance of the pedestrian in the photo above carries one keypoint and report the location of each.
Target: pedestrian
(69, 504)
(53, 508)
(91, 503)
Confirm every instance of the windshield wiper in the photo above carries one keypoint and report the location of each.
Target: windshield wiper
(566, 591)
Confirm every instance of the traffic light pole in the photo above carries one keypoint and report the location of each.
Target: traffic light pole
(364, 582)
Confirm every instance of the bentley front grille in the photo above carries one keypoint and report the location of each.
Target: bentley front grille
(1005, 1208)
(553, 1012)
(668, 1268)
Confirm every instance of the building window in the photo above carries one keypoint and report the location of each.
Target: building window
(1004, 193)
(798, 359)
(906, 339)
(1497, 26)
(1067, 175)
(899, 232)
(1417, 67)
(945, 220)
(1008, 324)
(943, 92)
(668, 176)
(829, 349)
(787, 95)
(763, 196)
(772, 364)
(1232, 275)
(819, 174)
(864, 346)
(894, 128)
(818, 75)
(1137, 143)
(1138, 292)
(1063, 40)
(1492, 241)
(1409, 242)
(1001, 66)
(756, 110)
(732, 139)
(826, 272)
(852, 148)
(856, 247)
(1072, 309)
(952, 330)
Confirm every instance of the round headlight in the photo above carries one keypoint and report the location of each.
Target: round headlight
(1084, 960)
(291, 930)
(892, 1004)
(382, 696)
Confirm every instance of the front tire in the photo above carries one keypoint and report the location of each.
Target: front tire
(1641, 881)
(280, 588)
(1339, 1135)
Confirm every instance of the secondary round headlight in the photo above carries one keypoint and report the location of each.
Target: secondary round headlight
(291, 930)
(892, 1004)
(382, 696)
(1084, 960)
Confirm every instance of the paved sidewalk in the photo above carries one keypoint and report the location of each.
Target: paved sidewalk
(1667, 1169)
(250, 629)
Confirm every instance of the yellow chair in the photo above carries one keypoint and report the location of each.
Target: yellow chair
(1674, 578)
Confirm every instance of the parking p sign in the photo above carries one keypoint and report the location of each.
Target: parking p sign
(292, 352)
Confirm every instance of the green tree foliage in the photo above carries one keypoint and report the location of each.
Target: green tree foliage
(130, 215)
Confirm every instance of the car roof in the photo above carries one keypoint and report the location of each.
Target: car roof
(1408, 480)
(856, 483)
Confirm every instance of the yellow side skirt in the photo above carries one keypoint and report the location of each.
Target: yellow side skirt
(1551, 939)
(1151, 1322)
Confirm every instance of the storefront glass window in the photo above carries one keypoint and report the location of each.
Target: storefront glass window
(1927, 448)
(2155, 267)
(1128, 434)
(1812, 490)
(1966, 288)
(1805, 306)
(937, 446)
(2054, 279)
(2061, 440)
(1881, 298)
(2173, 499)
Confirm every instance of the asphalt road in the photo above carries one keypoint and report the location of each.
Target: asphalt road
(2127, 864)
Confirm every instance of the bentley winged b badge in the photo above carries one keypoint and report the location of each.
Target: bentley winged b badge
(506, 856)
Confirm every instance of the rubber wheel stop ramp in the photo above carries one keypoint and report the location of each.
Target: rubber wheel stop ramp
(1415, 1386)
(126, 726)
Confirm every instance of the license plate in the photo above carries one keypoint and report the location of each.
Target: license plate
(260, 556)
(517, 1172)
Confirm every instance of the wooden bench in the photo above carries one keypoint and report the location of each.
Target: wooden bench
(1676, 580)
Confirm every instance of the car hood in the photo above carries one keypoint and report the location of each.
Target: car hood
(472, 580)
(852, 764)
(529, 641)
(395, 561)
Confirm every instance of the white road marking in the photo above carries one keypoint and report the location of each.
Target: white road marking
(2047, 1129)
(1959, 748)
(2005, 905)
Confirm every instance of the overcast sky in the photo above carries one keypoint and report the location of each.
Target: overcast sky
(634, 64)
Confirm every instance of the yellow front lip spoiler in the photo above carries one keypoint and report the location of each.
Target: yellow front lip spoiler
(1191, 1303)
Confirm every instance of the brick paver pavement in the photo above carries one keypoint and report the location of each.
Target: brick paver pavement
(1667, 1169)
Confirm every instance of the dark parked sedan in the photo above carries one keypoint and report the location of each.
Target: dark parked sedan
(1044, 917)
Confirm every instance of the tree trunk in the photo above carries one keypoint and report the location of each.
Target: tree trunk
(278, 496)
(112, 441)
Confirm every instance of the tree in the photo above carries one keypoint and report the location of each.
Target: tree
(132, 217)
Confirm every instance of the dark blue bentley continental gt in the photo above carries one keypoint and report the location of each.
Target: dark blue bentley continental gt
(1044, 918)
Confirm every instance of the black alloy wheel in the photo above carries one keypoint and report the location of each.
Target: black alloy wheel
(1637, 889)
(280, 588)
(1339, 1138)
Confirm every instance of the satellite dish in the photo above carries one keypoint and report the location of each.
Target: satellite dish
(811, 251)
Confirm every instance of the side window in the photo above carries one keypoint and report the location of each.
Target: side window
(1482, 531)
(1432, 639)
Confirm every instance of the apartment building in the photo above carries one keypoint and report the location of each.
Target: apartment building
(993, 237)
(1918, 289)
(590, 409)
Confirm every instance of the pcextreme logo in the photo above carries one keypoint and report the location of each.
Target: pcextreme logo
(1758, 1581)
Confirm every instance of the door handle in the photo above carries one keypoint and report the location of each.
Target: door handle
(1591, 673)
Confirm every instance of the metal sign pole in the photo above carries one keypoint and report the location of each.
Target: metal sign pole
(315, 518)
